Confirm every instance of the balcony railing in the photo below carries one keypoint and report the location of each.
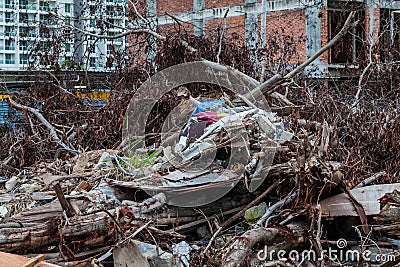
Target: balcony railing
(115, 1)
(10, 34)
(27, 7)
(117, 40)
(27, 21)
(10, 48)
(96, 65)
(30, 35)
(44, 8)
(10, 61)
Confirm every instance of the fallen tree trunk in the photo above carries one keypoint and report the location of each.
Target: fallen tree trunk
(90, 229)
(273, 239)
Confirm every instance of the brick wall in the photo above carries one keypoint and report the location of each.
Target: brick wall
(376, 22)
(234, 30)
(286, 35)
(222, 3)
(172, 7)
(168, 29)
(285, 30)
(324, 33)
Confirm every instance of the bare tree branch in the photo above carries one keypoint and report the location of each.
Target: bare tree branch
(277, 79)
(46, 123)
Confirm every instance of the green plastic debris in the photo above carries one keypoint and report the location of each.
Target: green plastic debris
(254, 213)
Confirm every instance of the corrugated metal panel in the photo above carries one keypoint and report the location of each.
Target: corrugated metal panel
(5, 114)
(98, 98)
(4, 109)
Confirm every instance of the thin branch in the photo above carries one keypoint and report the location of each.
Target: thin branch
(222, 35)
(58, 82)
(276, 206)
(137, 12)
(371, 179)
(211, 240)
(132, 31)
(276, 79)
(46, 123)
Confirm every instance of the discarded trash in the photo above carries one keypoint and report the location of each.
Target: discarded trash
(253, 214)
(29, 188)
(104, 162)
(10, 184)
(181, 253)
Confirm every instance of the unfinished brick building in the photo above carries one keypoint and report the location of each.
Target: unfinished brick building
(304, 25)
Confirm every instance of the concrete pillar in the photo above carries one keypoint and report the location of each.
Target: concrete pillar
(251, 26)
(372, 22)
(151, 48)
(313, 39)
(198, 24)
(263, 30)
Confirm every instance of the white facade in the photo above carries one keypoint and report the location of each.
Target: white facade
(22, 24)
(102, 17)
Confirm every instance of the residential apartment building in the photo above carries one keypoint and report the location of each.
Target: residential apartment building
(109, 18)
(32, 31)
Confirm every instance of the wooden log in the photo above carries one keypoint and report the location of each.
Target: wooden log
(275, 238)
(97, 226)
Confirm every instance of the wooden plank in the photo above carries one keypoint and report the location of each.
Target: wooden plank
(9, 197)
(63, 201)
(32, 262)
(13, 260)
(368, 197)
(128, 254)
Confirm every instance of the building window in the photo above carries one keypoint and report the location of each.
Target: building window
(67, 8)
(10, 45)
(350, 48)
(44, 45)
(23, 59)
(9, 4)
(8, 17)
(67, 47)
(43, 5)
(390, 40)
(92, 62)
(10, 59)
(23, 45)
(23, 18)
(110, 48)
(23, 4)
(42, 17)
(9, 31)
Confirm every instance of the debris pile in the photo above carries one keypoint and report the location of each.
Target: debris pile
(107, 207)
(229, 183)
